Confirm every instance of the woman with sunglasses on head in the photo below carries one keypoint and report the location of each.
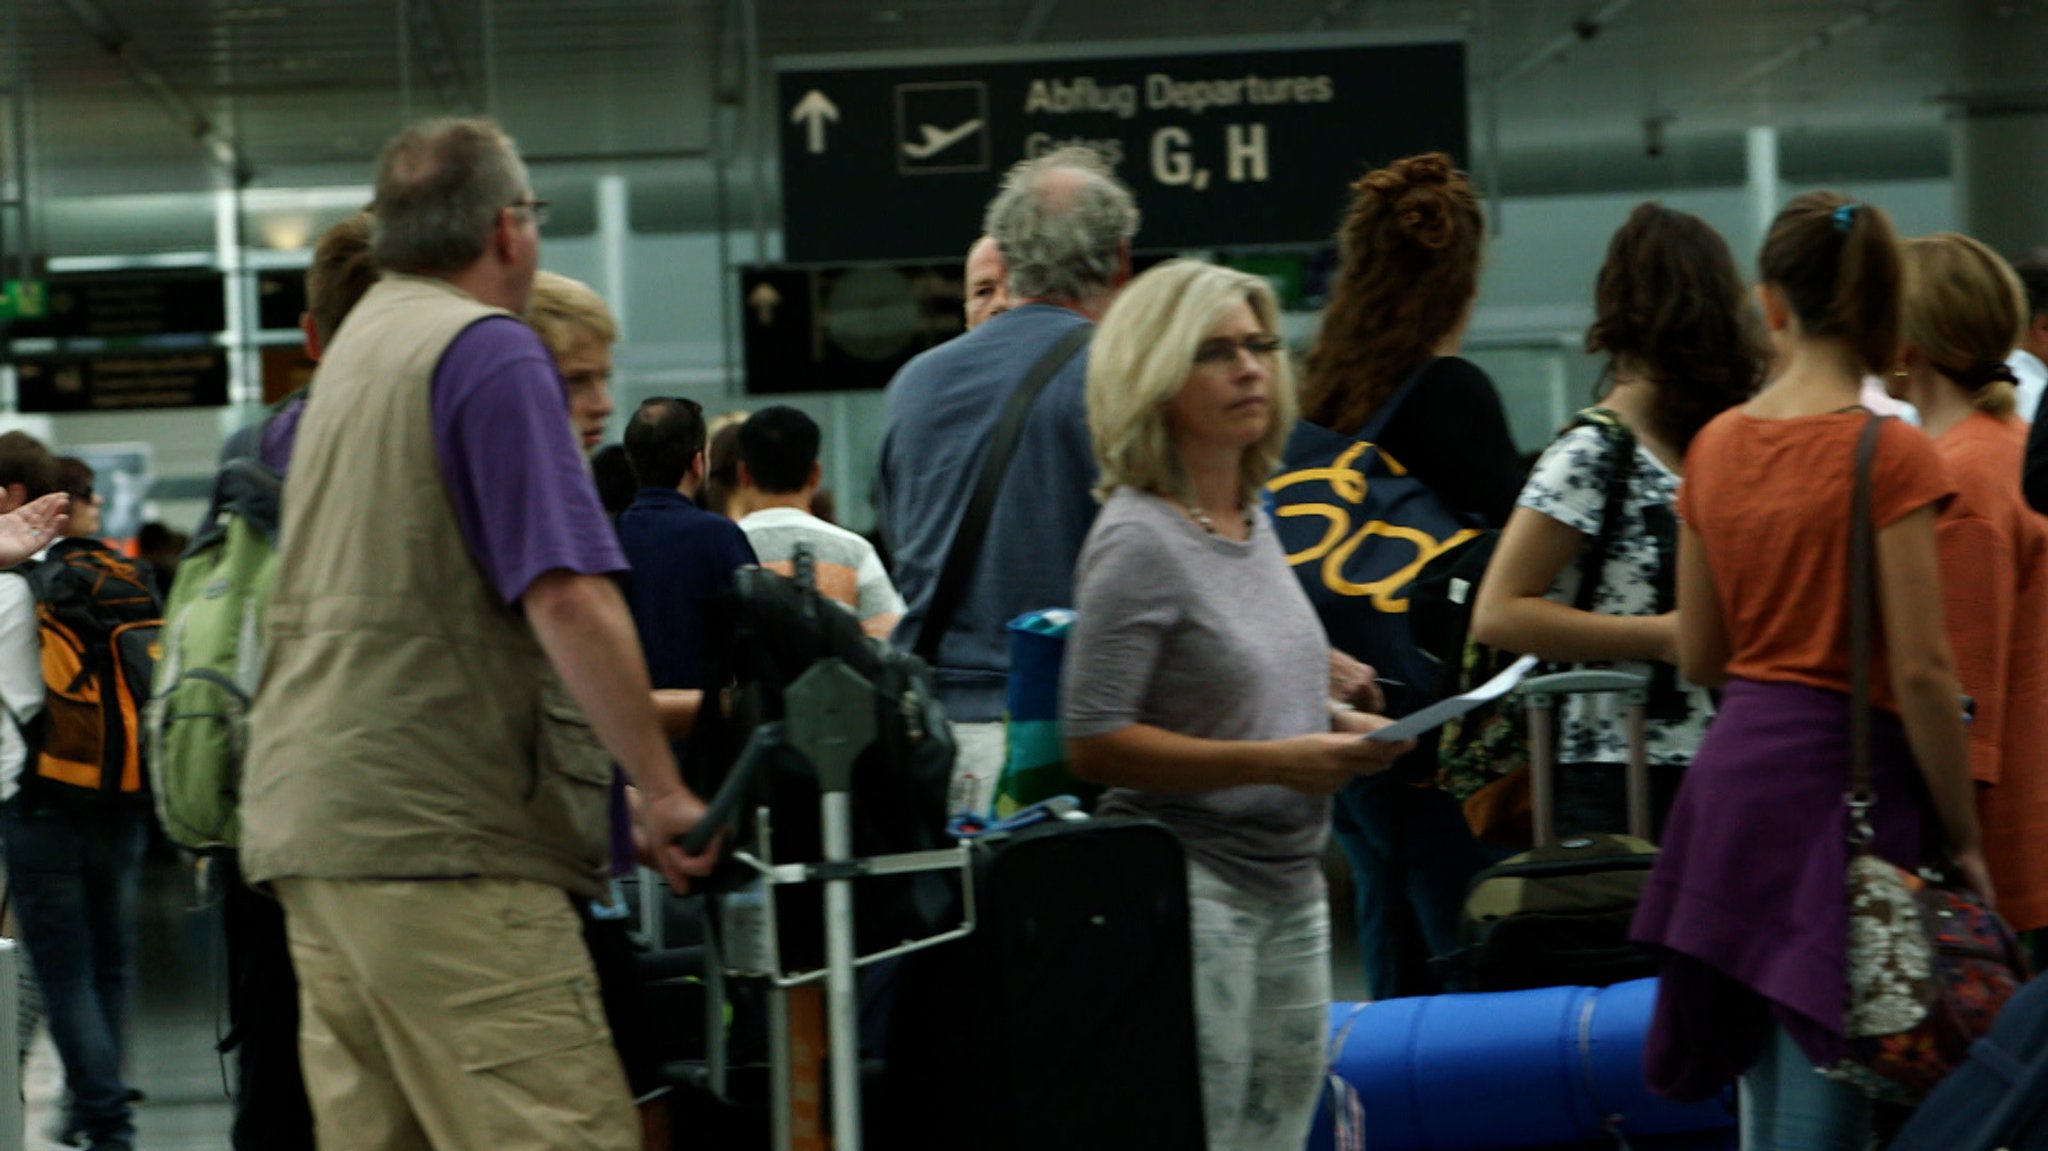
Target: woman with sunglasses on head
(1964, 310)
(1196, 679)
(1749, 901)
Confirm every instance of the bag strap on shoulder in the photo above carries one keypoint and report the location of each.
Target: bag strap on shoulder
(1621, 470)
(1002, 447)
(1862, 610)
(1377, 425)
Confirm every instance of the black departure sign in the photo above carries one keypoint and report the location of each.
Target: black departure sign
(152, 302)
(843, 329)
(280, 299)
(122, 381)
(1232, 146)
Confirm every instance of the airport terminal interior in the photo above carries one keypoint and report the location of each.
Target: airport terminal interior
(774, 199)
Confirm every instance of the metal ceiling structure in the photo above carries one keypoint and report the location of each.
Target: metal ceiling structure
(174, 95)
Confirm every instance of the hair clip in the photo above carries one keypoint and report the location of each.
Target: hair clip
(1845, 217)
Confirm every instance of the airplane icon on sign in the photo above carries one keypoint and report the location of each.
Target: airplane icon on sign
(937, 140)
(942, 127)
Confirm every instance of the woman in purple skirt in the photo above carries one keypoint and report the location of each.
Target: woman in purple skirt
(1749, 900)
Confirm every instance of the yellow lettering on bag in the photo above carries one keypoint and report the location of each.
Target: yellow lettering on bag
(1340, 522)
(1386, 592)
(1347, 482)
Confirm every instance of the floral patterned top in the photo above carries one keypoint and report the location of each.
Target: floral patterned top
(1569, 484)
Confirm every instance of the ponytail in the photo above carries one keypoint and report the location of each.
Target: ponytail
(1964, 311)
(1838, 263)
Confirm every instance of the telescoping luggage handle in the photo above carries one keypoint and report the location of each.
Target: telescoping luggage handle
(1540, 695)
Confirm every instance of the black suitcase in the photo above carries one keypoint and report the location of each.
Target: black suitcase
(1559, 914)
(1065, 1022)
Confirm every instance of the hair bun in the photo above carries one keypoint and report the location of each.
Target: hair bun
(1418, 192)
(1428, 168)
(1426, 218)
(1384, 182)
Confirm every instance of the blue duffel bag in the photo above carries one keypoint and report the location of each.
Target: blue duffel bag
(1553, 1067)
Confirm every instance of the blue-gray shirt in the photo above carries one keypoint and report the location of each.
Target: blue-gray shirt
(938, 416)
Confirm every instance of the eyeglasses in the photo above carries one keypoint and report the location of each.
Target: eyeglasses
(538, 208)
(1212, 353)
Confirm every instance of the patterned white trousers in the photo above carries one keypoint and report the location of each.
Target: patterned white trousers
(1262, 1013)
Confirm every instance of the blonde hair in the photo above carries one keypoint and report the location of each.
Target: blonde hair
(1964, 313)
(1142, 357)
(561, 309)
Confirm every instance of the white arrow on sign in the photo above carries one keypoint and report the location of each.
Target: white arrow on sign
(764, 300)
(814, 111)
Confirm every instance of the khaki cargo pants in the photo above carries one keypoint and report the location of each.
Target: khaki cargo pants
(456, 1015)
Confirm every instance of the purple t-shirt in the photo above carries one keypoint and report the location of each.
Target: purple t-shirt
(526, 503)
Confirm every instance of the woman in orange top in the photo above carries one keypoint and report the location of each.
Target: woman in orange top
(1748, 901)
(1963, 311)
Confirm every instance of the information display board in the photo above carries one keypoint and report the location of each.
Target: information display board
(845, 328)
(122, 381)
(147, 302)
(1232, 145)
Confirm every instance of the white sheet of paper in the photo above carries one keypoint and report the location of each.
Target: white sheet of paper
(1446, 710)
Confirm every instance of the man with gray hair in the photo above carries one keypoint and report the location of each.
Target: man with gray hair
(422, 793)
(1063, 225)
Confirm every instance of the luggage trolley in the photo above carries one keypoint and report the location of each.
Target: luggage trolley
(829, 721)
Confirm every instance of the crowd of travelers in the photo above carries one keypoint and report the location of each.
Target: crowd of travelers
(484, 646)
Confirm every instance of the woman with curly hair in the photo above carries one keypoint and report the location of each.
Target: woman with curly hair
(1387, 401)
(1392, 330)
(1673, 323)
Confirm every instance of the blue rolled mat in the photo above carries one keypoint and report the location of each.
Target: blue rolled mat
(1503, 1071)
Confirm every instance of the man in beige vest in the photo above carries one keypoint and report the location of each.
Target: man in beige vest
(422, 795)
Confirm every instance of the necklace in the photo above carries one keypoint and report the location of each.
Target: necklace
(1202, 519)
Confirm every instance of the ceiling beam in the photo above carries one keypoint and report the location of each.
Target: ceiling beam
(1034, 20)
(434, 49)
(1804, 49)
(1581, 31)
(113, 37)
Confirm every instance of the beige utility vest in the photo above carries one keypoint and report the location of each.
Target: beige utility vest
(408, 725)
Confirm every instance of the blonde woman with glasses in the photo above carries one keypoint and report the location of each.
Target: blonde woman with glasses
(1196, 686)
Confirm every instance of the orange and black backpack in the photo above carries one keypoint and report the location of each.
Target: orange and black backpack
(98, 616)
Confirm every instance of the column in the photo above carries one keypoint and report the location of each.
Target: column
(613, 231)
(1999, 159)
(1762, 188)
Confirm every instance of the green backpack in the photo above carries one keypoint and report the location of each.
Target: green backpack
(198, 720)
